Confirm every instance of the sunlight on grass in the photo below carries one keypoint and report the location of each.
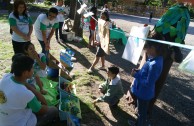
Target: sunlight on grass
(41, 5)
(6, 50)
(3, 18)
(84, 78)
(6, 54)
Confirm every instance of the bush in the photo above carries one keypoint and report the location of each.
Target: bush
(191, 11)
(48, 2)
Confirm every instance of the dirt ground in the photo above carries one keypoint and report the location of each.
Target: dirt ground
(174, 107)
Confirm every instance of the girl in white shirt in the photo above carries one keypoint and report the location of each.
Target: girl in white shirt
(21, 26)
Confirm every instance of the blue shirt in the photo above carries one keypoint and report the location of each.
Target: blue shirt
(146, 77)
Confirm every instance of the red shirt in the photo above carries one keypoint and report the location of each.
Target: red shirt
(92, 24)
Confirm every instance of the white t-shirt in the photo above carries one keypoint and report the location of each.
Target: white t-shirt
(105, 9)
(22, 24)
(13, 104)
(60, 16)
(42, 23)
(38, 71)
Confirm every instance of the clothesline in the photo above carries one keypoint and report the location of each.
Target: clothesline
(146, 39)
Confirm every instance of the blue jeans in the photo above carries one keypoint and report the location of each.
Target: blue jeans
(60, 32)
(142, 106)
(46, 52)
(42, 46)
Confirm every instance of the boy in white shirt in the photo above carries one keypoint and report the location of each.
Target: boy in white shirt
(45, 26)
(17, 103)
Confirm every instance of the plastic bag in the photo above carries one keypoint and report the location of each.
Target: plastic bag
(187, 64)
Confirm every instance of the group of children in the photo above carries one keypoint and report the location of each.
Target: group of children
(150, 77)
(45, 25)
(13, 87)
(19, 105)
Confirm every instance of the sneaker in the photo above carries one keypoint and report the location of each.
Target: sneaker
(90, 71)
(73, 59)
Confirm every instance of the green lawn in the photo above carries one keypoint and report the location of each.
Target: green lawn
(3, 18)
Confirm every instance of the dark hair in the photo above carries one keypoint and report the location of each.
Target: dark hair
(53, 10)
(26, 46)
(15, 57)
(105, 5)
(156, 45)
(113, 69)
(94, 10)
(15, 8)
(105, 13)
(21, 64)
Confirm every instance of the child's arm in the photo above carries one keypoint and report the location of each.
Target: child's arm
(111, 92)
(40, 84)
(37, 94)
(40, 63)
(134, 71)
(103, 87)
(153, 75)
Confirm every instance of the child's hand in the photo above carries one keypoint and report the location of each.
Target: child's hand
(47, 46)
(43, 92)
(31, 55)
(26, 37)
(35, 55)
(96, 43)
(134, 71)
(100, 90)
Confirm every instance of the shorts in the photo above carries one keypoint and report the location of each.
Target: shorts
(100, 52)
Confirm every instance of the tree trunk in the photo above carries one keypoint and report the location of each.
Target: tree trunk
(72, 9)
(77, 21)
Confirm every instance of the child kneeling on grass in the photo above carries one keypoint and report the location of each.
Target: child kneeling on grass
(112, 88)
